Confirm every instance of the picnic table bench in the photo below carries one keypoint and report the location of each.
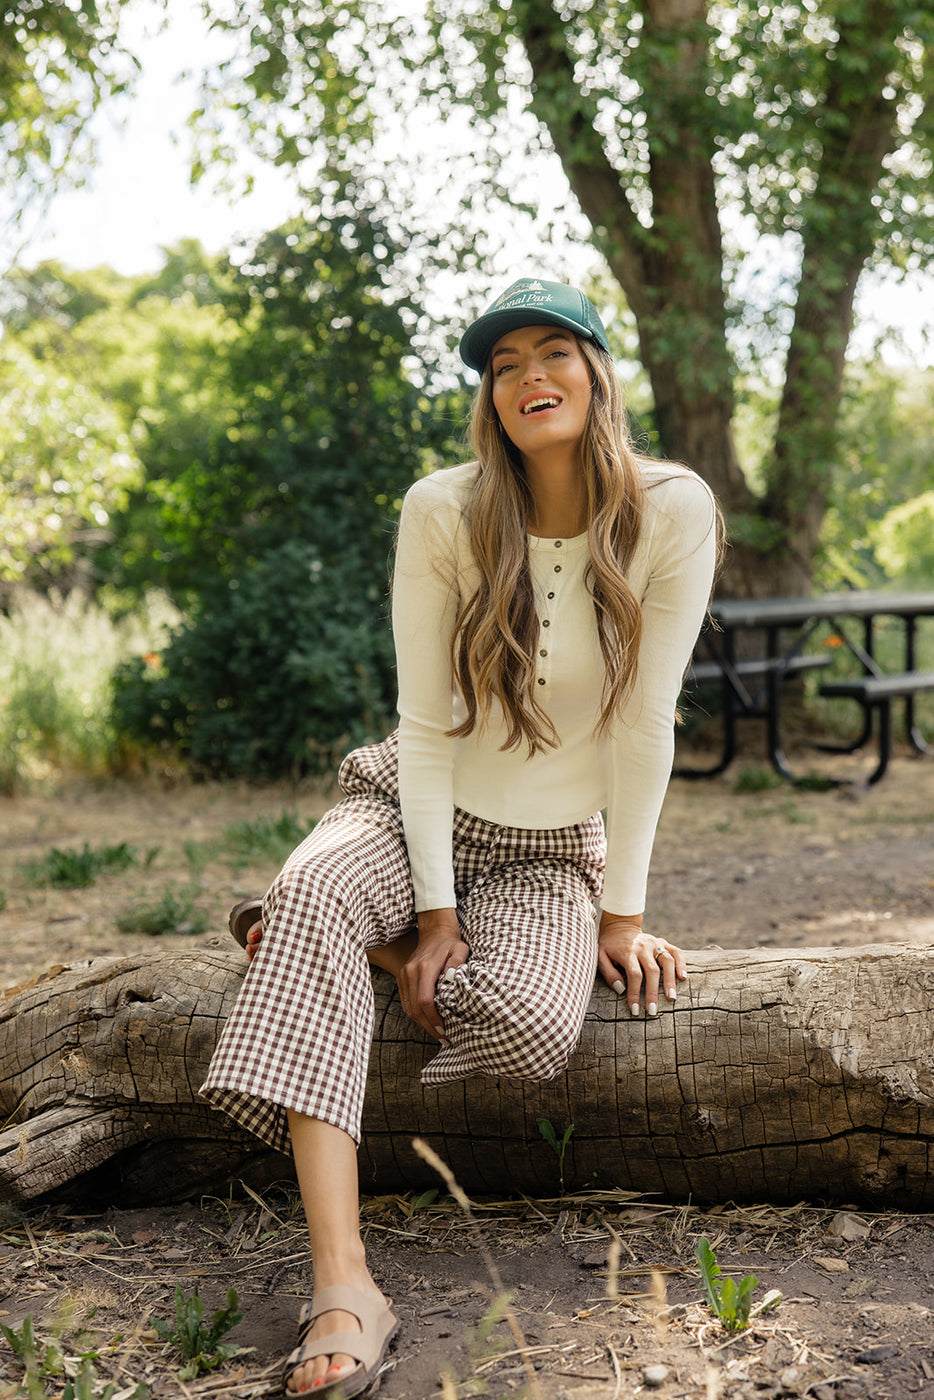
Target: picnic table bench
(789, 625)
(876, 693)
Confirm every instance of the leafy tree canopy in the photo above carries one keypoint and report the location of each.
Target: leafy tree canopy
(685, 132)
(57, 62)
(105, 371)
(66, 463)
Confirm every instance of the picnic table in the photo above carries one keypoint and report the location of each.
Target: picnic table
(751, 685)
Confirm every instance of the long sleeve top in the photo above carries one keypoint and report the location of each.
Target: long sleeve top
(623, 772)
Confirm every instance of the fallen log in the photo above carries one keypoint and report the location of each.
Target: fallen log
(779, 1075)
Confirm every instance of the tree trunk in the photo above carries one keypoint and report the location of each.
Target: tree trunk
(670, 272)
(858, 128)
(668, 259)
(778, 1075)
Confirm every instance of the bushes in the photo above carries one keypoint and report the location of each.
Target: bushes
(279, 671)
(276, 538)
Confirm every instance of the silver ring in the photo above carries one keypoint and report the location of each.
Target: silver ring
(659, 949)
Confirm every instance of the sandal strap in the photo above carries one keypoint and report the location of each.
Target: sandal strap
(347, 1343)
(377, 1322)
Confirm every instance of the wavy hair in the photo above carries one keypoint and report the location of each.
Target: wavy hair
(496, 633)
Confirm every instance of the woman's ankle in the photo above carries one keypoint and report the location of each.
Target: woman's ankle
(345, 1265)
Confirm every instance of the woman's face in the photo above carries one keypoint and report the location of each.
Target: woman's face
(541, 388)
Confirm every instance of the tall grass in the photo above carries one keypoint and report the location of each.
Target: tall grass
(56, 660)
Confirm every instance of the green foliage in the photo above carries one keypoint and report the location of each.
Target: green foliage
(330, 428)
(277, 675)
(904, 540)
(280, 534)
(266, 838)
(66, 463)
(547, 1130)
(756, 779)
(174, 911)
(128, 365)
(885, 462)
(729, 1301)
(56, 660)
(58, 63)
(40, 1360)
(46, 1362)
(199, 1341)
(76, 870)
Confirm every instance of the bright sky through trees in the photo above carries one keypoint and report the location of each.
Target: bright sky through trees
(139, 198)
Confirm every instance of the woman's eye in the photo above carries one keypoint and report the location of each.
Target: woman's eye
(501, 369)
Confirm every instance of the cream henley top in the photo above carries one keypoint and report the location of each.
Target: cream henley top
(624, 774)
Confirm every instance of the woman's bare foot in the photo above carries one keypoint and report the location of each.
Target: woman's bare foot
(253, 939)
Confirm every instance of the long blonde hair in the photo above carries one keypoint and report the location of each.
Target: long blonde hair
(496, 633)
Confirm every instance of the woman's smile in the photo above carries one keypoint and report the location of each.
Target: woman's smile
(538, 403)
(541, 388)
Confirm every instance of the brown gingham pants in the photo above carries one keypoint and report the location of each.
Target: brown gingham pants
(299, 1034)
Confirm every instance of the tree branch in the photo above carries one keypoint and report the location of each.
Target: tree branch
(569, 117)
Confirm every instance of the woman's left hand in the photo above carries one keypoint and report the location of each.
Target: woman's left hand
(645, 961)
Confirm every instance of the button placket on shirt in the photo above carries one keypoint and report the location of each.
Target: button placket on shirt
(546, 621)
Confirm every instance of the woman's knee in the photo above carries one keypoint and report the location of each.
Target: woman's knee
(512, 1036)
(543, 1051)
(341, 886)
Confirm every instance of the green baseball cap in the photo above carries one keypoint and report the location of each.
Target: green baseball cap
(530, 302)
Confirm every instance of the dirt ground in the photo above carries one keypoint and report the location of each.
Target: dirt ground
(604, 1286)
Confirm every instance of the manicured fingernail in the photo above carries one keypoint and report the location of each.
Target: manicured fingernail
(634, 1008)
(671, 994)
(449, 974)
(619, 988)
(651, 1009)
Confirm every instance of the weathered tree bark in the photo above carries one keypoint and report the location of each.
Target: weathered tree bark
(859, 130)
(778, 1075)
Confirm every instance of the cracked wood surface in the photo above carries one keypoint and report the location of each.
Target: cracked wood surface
(779, 1075)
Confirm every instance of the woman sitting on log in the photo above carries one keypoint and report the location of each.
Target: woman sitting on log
(546, 600)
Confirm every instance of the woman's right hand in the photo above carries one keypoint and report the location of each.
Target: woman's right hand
(439, 947)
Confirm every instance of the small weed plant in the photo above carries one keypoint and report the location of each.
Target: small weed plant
(755, 779)
(266, 838)
(729, 1301)
(175, 911)
(559, 1148)
(199, 1342)
(76, 870)
(48, 1363)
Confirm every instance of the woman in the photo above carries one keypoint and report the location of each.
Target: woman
(546, 599)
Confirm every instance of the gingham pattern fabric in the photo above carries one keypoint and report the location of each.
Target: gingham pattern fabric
(299, 1035)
